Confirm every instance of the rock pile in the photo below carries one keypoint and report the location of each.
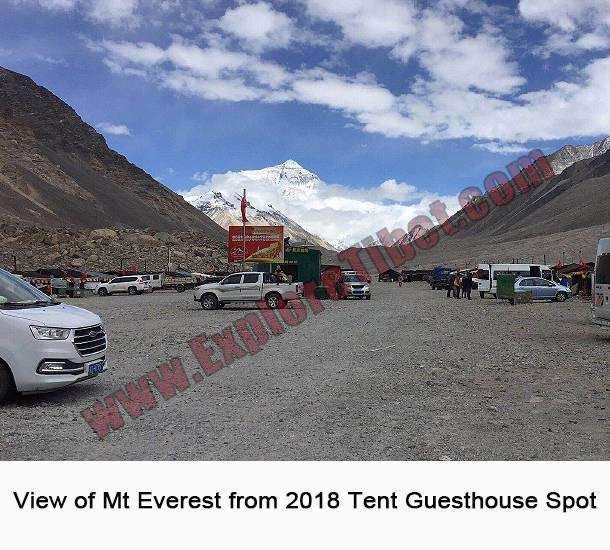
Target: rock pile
(108, 249)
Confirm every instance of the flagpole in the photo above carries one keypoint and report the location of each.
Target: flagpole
(243, 222)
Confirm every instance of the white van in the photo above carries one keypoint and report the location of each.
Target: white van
(601, 292)
(487, 275)
(45, 345)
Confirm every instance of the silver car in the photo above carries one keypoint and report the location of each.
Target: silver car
(543, 289)
(356, 287)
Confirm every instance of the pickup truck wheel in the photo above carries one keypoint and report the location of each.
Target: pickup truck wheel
(132, 290)
(209, 302)
(275, 301)
(180, 288)
(561, 297)
(7, 385)
(102, 292)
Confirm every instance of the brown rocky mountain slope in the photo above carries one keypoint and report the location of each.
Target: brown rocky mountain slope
(57, 171)
(562, 218)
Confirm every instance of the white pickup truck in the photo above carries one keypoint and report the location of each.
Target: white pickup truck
(250, 286)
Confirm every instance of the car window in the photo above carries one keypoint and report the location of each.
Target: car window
(542, 282)
(602, 270)
(269, 278)
(232, 280)
(483, 274)
(129, 279)
(525, 282)
(145, 277)
(251, 278)
(155, 277)
(118, 280)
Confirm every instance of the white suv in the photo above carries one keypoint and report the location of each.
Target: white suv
(133, 284)
(45, 345)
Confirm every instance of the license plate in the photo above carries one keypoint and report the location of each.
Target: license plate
(96, 368)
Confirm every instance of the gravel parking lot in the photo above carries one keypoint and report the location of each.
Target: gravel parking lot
(407, 375)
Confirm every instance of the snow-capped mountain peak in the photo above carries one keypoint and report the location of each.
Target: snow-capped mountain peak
(290, 179)
(570, 154)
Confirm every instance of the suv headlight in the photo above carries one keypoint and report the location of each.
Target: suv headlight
(49, 333)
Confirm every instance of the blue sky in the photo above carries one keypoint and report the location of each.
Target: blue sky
(432, 94)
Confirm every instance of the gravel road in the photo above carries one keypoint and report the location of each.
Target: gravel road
(407, 375)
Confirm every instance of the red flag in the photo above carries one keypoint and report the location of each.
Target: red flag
(558, 265)
(243, 209)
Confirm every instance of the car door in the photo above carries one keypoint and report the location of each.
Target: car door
(229, 289)
(542, 290)
(251, 287)
(116, 285)
(524, 285)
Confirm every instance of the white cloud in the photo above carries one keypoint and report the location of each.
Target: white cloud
(258, 26)
(396, 191)
(113, 129)
(58, 4)
(373, 24)
(339, 214)
(201, 176)
(468, 85)
(348, 94)
(501, 148)
(110, 12)
(571, 26)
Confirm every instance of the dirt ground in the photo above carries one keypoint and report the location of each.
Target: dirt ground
(408, 375)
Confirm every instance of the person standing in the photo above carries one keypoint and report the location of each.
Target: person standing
(467, 286)
(450, 283)
(457, 286)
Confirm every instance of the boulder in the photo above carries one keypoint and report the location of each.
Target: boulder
(103, 234)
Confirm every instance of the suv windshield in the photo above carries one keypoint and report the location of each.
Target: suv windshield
(351, 279)
(16, 292)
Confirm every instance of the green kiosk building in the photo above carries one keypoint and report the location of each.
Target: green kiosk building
(302, 262)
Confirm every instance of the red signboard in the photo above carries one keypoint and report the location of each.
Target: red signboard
(264, 244)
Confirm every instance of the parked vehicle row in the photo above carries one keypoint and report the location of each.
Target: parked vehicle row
(487, 275)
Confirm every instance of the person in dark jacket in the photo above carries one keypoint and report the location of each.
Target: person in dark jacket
(467, 286)
(450, 283)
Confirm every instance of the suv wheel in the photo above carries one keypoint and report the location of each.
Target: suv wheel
(7, 386)
(132, 290)
(102, 292)
(274, 301)
(209, 301)
(561, 297)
